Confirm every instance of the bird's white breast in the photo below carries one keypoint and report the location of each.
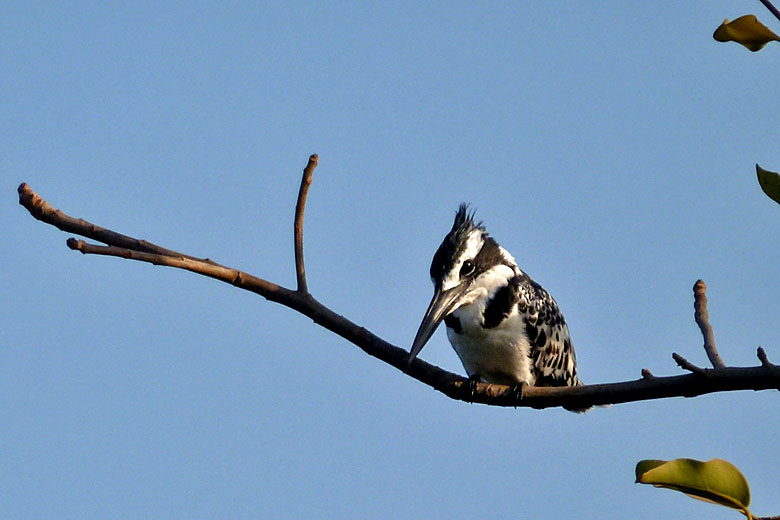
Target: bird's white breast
(497, 354)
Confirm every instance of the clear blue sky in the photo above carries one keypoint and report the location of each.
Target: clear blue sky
(611, 149)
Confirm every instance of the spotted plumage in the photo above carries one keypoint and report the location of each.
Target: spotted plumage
(504, 326)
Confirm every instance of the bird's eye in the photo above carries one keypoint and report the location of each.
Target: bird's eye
(467, 268)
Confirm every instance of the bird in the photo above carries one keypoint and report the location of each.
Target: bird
(504, 327)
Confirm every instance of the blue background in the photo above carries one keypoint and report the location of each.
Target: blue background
(609, 147)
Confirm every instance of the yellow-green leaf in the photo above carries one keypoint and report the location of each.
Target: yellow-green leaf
(716, 480)
(746, 30)
(643, 466)
(770, 183)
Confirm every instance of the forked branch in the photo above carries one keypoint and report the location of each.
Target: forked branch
(700, 381)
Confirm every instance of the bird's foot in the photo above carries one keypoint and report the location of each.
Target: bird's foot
(518, 390)
(472, 386)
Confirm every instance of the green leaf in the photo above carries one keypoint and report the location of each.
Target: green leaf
(745, 30)
(770, 183)
(716, 480)
(643, 466)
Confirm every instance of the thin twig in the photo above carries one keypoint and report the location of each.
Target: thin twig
(687, 365)
(701, 316)
(772, 8)
(762, 357)
(646, 374)
(43, 211)
(264, 288)
(452, 385)
(300, 206)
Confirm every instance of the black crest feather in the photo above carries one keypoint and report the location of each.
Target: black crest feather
(455, 240)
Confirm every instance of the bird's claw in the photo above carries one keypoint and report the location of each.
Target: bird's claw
(473, 380)
(518, 390)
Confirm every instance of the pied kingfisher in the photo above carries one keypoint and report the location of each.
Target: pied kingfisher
(504, 327)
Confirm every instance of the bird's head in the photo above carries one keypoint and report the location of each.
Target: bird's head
(468, 264)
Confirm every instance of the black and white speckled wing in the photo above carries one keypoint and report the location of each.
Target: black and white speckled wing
(553, 362)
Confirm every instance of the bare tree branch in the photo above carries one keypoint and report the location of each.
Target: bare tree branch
(701, 381)
(772, 8)
(300, 206)
(687, 365)
(43, 211)
(702, 318)
(762, 357)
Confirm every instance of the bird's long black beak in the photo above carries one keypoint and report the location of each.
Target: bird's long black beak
(442, 303)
